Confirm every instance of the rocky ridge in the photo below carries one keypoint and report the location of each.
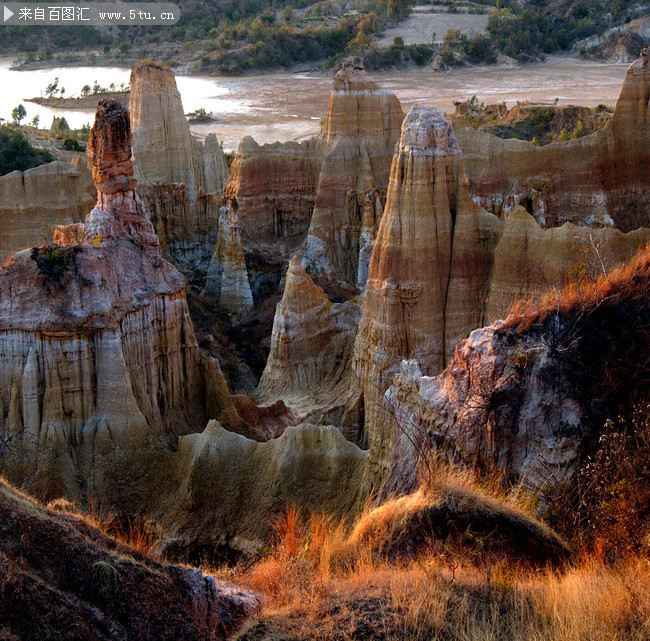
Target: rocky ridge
(273, 189)
(442, 265)
(68, 575)
(322, 197)
(101, 379)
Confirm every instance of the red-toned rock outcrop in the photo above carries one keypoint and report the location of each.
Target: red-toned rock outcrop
(62, 577)
(180, 179)
(600, 180)
(441, 265)
(529, 396)
(362, 128)
(332, 186)
(273, 188)
(97, 347)
(33, 202)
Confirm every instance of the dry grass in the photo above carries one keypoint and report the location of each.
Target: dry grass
(628, 282)
(341, 594)
(323, 582)
(143, 537)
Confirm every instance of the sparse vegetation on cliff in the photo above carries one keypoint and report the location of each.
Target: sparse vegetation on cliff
(540, 124)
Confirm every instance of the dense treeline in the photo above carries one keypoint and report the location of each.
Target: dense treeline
(545, 27)
(256, 44)
(198, 17)
(231, 36)
(17, 153)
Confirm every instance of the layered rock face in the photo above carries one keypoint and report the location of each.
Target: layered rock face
(441, 266)
(97, 347)
(227, 277)
(311, 347)
(600, 180)
(33, 202)
(362, 128)
(273, 188)
(530, 396)
(528, 260)
(180, 179)
(329, 190)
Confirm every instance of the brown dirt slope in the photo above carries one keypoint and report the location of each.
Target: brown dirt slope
(62, 578)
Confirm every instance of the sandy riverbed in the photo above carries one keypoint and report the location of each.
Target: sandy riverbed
(290, 106)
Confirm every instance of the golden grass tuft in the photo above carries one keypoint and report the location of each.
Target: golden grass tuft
(628, 282)
(150, 62)
(139, 535)
(324, 582)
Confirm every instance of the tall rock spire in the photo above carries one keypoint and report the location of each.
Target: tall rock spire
(415, 265)
(181, 180)
(362, 128)
(118, 209)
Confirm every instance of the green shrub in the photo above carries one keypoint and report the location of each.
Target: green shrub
(72, 144)
(17, 153)
(53, 261)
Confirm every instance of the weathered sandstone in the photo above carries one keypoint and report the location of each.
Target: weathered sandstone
(599, 180)
(33, 202)
(101, 377)
(311, 347)
(332, 186)
(441, 266)
(410, 281)
(229, 488)
(362, 128)
(528, 260)
(273, 188)
(529, 396)
(227, 277)
(180, 179)
(97, 346)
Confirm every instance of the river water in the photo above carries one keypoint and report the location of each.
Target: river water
(289, 106)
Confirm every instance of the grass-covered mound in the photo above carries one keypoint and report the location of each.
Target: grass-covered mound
(323, 581)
